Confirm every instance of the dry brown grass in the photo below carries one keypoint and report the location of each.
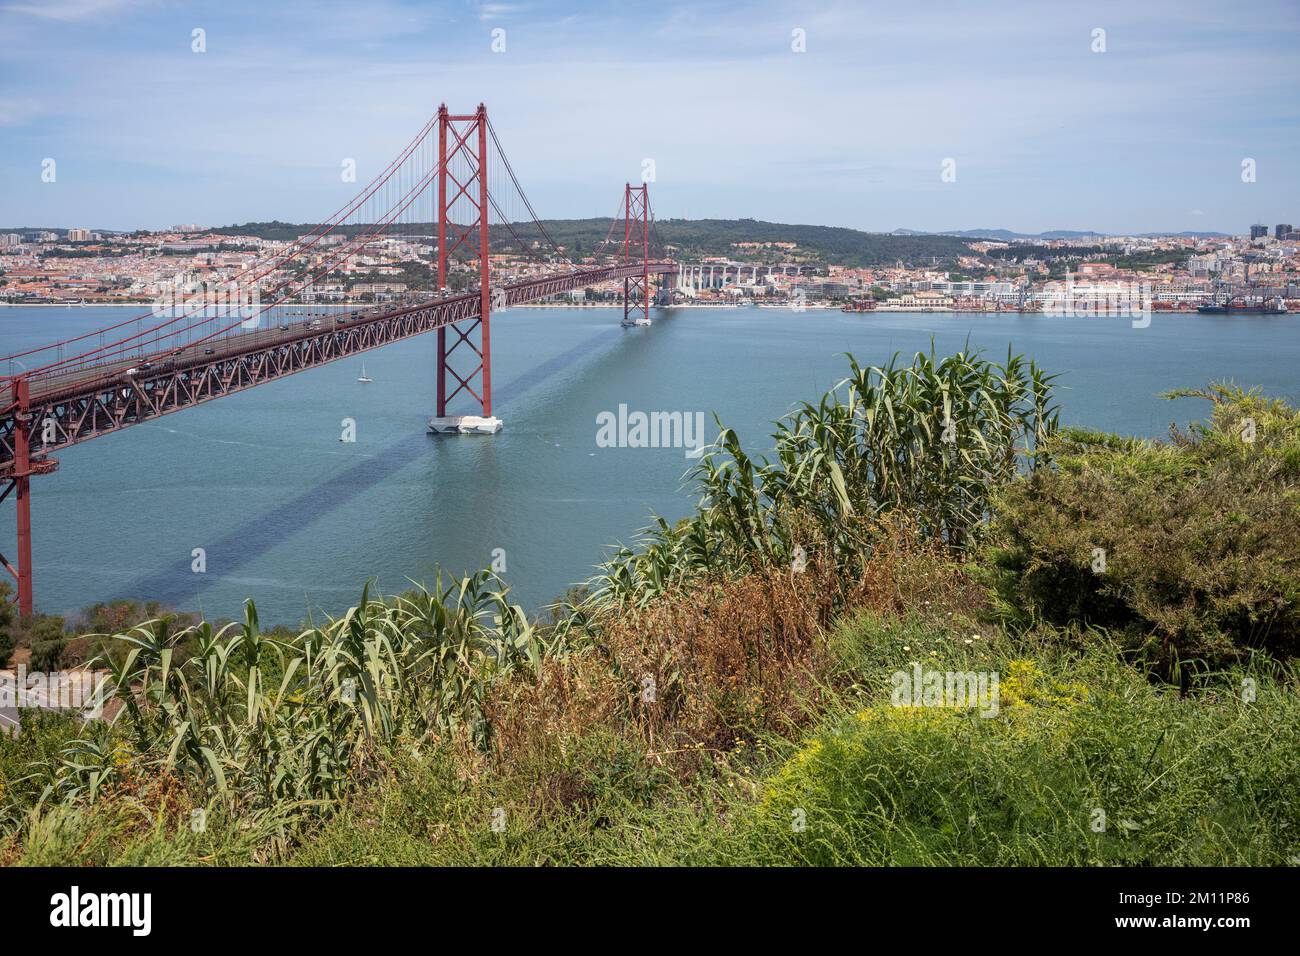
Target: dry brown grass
(721, 662)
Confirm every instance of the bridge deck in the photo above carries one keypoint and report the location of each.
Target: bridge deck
(90, 401)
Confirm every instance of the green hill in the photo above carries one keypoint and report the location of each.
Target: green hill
(691, 238)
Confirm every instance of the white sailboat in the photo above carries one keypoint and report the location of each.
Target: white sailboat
(363, 377)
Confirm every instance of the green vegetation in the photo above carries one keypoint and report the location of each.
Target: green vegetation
(1189, 549)
(830, 244)
(726, 692)
(1064, 258)
(1082, 740)
(1146, 259)
(931, 440)
(691, 238)
(52, 643)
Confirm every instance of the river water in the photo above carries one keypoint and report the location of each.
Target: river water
(296, 519)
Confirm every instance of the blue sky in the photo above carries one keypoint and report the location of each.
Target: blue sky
(1046, 134)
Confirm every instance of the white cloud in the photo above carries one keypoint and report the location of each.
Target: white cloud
(14, 112)
(500, 11)
(850, 132)
(69, 10)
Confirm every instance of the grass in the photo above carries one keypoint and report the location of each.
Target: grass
(1088, 763)
(1197, 779)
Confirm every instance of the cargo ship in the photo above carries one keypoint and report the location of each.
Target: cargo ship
(1237, 306)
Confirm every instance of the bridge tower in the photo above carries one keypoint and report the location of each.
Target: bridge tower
(463, 222)
(20, 484)
(636, 241)
(17, 481)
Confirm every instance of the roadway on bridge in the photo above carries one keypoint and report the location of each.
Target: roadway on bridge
(44, 386)
(55, 384)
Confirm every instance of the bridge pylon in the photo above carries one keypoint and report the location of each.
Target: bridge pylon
(16, 480)
(463, 222)
(636, 241)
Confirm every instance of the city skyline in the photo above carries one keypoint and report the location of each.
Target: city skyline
(1044, 133)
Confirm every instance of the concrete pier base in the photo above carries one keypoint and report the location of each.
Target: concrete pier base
(464, 425)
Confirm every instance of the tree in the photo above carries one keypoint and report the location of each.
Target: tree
(48, 640)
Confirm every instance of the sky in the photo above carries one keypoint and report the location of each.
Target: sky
(1043, 129)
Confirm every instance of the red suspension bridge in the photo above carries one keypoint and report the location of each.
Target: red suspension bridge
(233, 332)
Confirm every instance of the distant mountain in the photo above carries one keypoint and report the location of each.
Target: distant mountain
(1189, 234)
(1007, 234)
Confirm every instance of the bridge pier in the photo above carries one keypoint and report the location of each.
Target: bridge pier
(464, 425)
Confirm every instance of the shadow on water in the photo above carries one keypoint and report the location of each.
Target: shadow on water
(256, 536)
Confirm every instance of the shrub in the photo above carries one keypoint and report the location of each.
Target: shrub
(1190, 548)
(48, 642)
(48, 655)
(44, 734)
(697, 669)
(292, 722)
(930, 441)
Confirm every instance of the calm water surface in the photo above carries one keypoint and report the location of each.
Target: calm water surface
(299, 521)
